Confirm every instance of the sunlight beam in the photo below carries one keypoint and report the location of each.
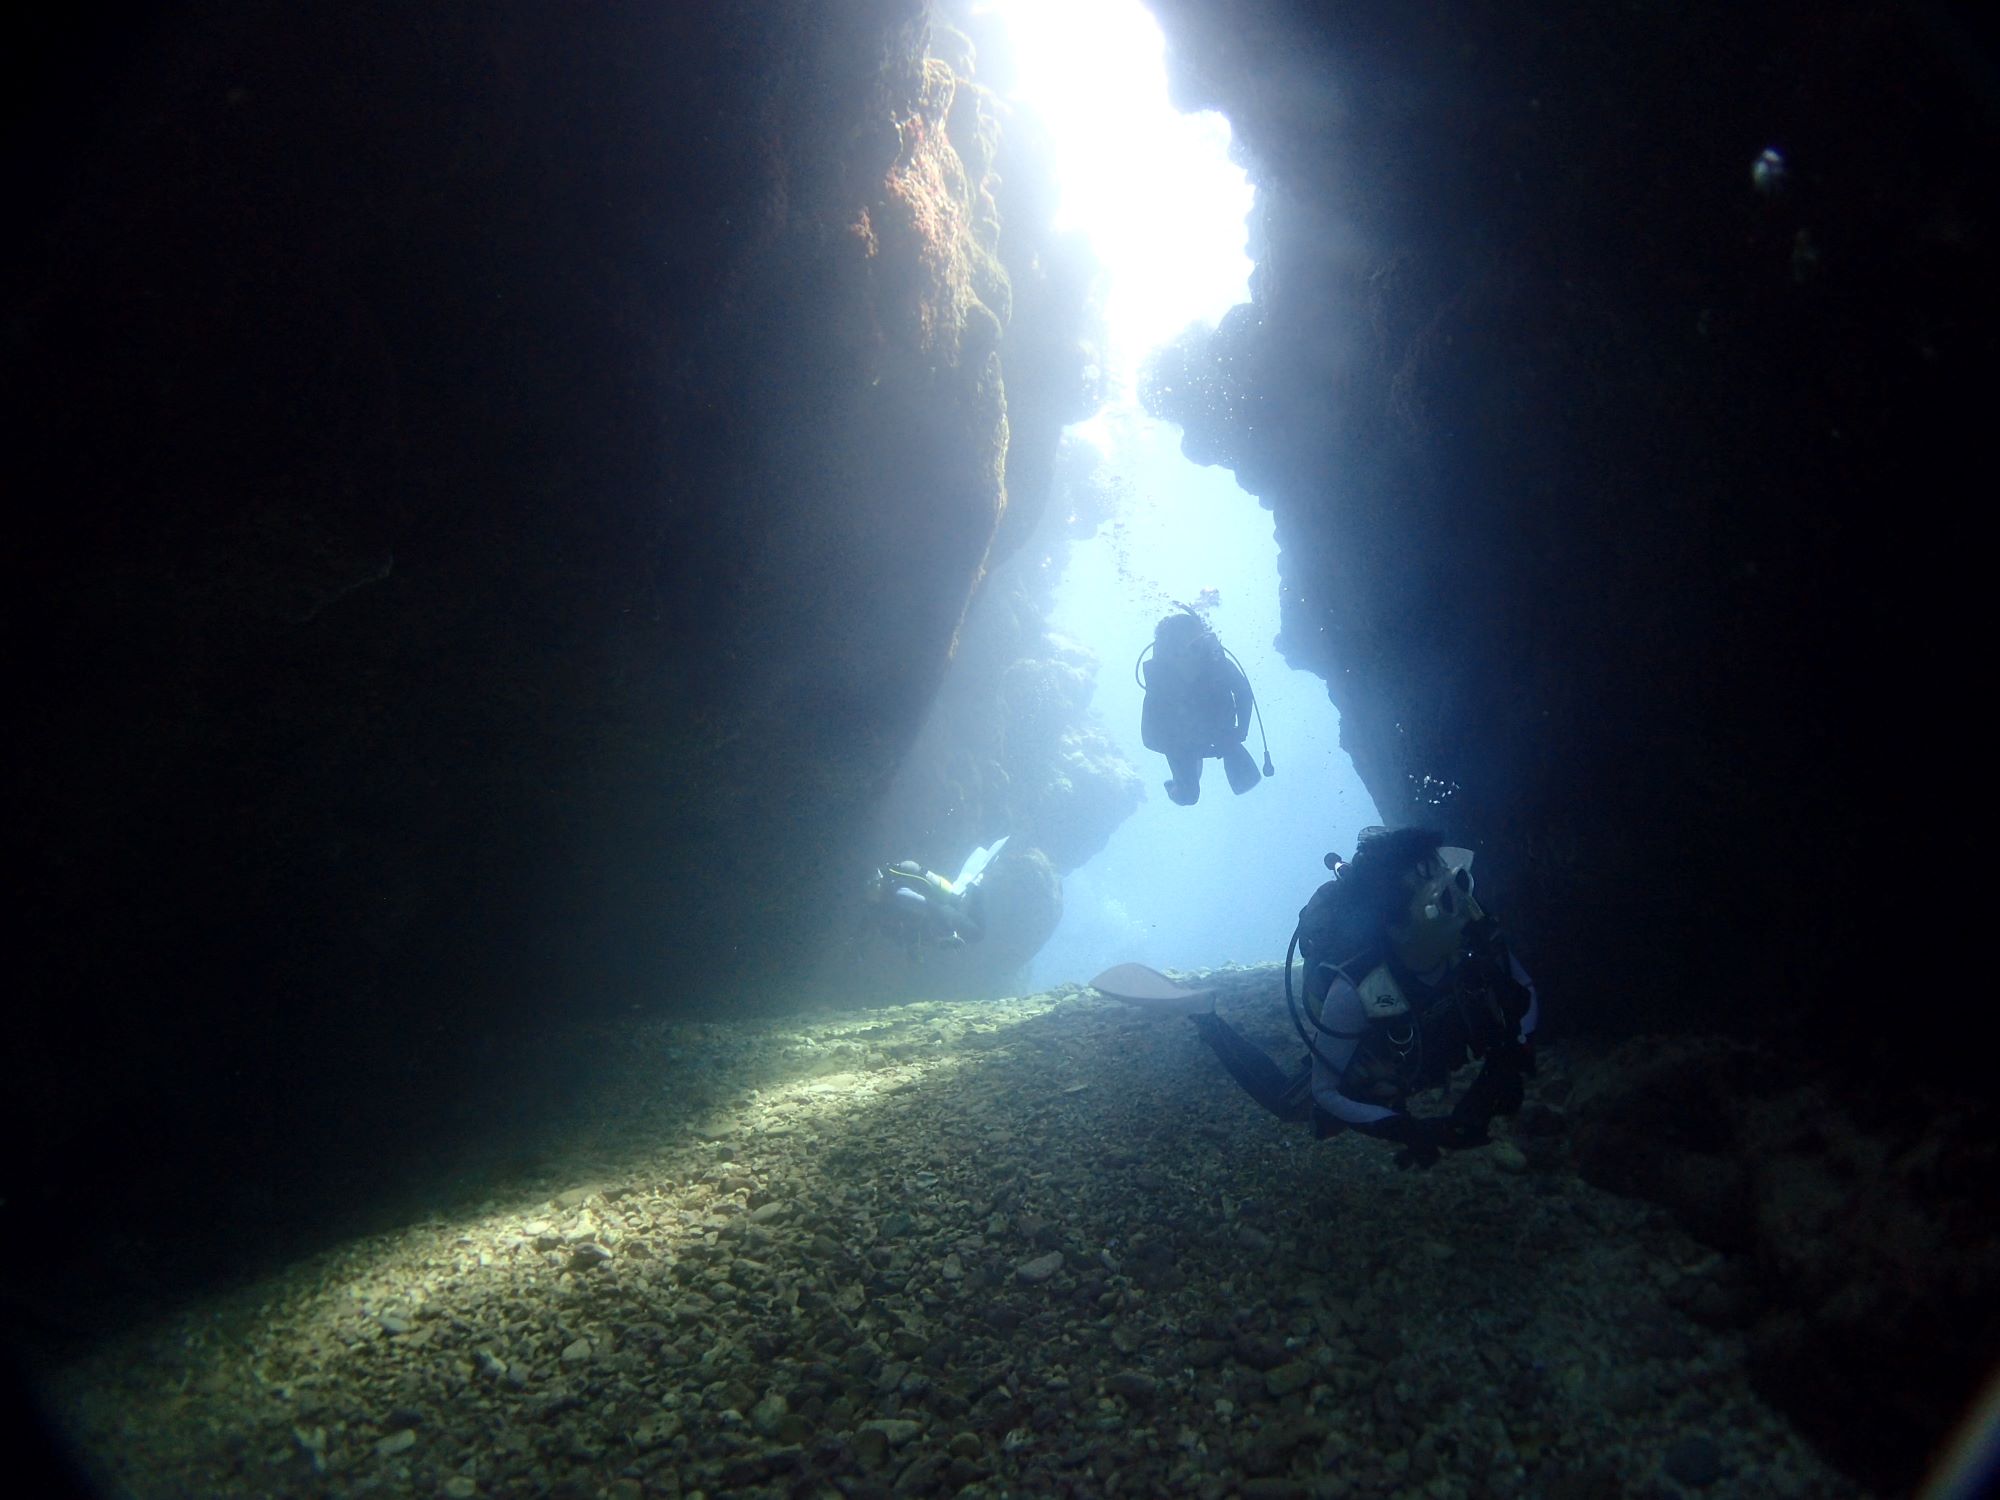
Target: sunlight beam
(1153, 189)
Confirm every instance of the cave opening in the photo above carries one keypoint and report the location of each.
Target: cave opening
(501, 490)
(1133, 529)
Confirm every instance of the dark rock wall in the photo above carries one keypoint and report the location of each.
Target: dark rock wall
(1009, 746)
(1860, 1256)
(1623, 507)
(496, 489)
(1625, 510)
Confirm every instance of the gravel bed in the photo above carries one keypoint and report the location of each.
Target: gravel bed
(1039, 1246)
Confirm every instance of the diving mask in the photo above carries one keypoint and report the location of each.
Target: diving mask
(1449, 896)
(1441, 908)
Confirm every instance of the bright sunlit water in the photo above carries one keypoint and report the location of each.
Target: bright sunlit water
(1154, 190)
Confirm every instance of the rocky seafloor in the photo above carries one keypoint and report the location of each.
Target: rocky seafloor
(1039, 1246)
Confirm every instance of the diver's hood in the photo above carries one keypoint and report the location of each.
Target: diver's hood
(1439, 912)
(893, 877)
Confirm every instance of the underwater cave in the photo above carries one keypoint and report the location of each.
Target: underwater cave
(527, 513)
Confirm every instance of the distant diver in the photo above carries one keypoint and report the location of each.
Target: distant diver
(1198, 704)
(1407, 977)
(919, 908)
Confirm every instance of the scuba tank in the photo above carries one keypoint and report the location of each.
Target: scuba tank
(1330, 931)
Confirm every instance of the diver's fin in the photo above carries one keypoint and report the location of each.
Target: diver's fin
(977, 861)
(1289, 1098)
(1455, 858)
(1136, 984)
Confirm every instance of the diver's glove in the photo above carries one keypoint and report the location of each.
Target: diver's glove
(1423, 1139)
(1489, 970)
(1497, 1090)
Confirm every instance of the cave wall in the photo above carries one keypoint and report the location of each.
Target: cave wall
(1624, 507)
(1622, 504)
(496, 490)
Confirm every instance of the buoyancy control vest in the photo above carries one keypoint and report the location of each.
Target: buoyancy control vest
(1415, 1032)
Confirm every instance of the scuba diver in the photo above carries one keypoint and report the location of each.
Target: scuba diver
(1198, 704)
(920, 909)
(1407, 977)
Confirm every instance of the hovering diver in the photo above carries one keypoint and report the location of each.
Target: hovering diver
(921, 909)
(1406, 978)
(1198, 704)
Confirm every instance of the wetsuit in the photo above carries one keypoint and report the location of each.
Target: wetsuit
(1195, 709)
(1369, 1063)
(919, 908)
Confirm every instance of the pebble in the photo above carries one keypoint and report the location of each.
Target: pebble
(767, 1415)
(1294, 1375)
(890, 1289)
(1134, 1385)
(1041, 1268)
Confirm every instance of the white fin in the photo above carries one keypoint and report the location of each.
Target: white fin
(1455, 858)
(1136, 984)
(977, 861)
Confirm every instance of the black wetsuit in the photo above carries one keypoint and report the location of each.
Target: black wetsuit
(1195, 709)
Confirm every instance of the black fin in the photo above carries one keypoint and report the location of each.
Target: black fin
(1262, 1079)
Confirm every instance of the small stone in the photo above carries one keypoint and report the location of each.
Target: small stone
(754, 1468)
(1379, 1344)
(1134, 1386)
(1261, 1353)
(871, 1448)
(1507, 1157)
(1205, 1354)
(767, 1415)
(458, 1487)
(1041, 1268)
(1694, 1461)
(896, 1430)
(1294, 1375)
(587, 1255)
(1260, 1459)
(921, 1477)
(396, 1442)
(576, 1351)
(394, 1323)
(769, 1212)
